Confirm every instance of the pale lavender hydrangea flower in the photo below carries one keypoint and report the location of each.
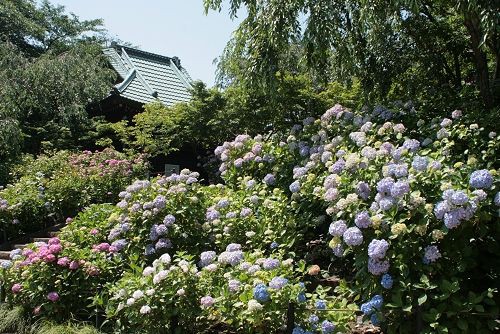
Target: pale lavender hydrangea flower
(337, 228)
(277, 283)
(431, 254)
(377, 249)
(353, 236)
(481, 179)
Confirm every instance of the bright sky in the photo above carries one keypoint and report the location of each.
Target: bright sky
(167, 27)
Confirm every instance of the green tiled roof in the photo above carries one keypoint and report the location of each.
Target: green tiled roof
(148, 76)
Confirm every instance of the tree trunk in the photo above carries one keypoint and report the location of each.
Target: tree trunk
(483, 81)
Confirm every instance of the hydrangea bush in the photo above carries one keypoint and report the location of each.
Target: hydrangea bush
(414, 218)
(51, 188)
(409, 225)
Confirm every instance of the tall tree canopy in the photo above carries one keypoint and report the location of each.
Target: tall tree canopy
(402, 45)
(51, 67)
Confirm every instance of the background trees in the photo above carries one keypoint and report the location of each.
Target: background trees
(436, 48)
(51, 67)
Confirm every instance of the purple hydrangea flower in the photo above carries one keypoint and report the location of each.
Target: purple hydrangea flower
(207, 301)
(338, 166)
(245, 212)
(411, 145)
(207, 258)
(363, 190)
(169, 220)
(362, 219)
(400, 188)
(420, 163)
(212, 214)
(431, 254)
(384, 186)
(234, 285)
(376, 267)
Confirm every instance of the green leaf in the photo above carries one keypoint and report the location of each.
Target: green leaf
(422, 299)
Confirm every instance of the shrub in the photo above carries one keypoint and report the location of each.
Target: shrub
(51, 188)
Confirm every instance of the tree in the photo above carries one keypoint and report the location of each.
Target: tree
(51, 67)
(374, 41)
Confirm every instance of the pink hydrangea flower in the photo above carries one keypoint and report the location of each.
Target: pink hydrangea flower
(74, 265)
(54, 241)
(63, 261)
(16, 288)
(94, 231)
(55, 249)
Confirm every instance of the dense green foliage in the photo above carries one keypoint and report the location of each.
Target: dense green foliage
(51, 67)
(51, 188)
(213, 116)
(420, 49)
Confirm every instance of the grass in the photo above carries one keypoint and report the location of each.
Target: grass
(14, 320)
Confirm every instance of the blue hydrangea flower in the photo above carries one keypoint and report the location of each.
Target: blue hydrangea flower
(270, 179)
(459, 198)
(320, 304)
(274, 245)
(374, 319)
(453, 217)
(260, 293)
(206, 258)
(496, 200)
(481, 179)
(327, 327)
(150, 250)
(295, 187)
(161, 229)
(441, 209)
(377, 301)
(386, 281)
(313, 319)
(301, 297)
